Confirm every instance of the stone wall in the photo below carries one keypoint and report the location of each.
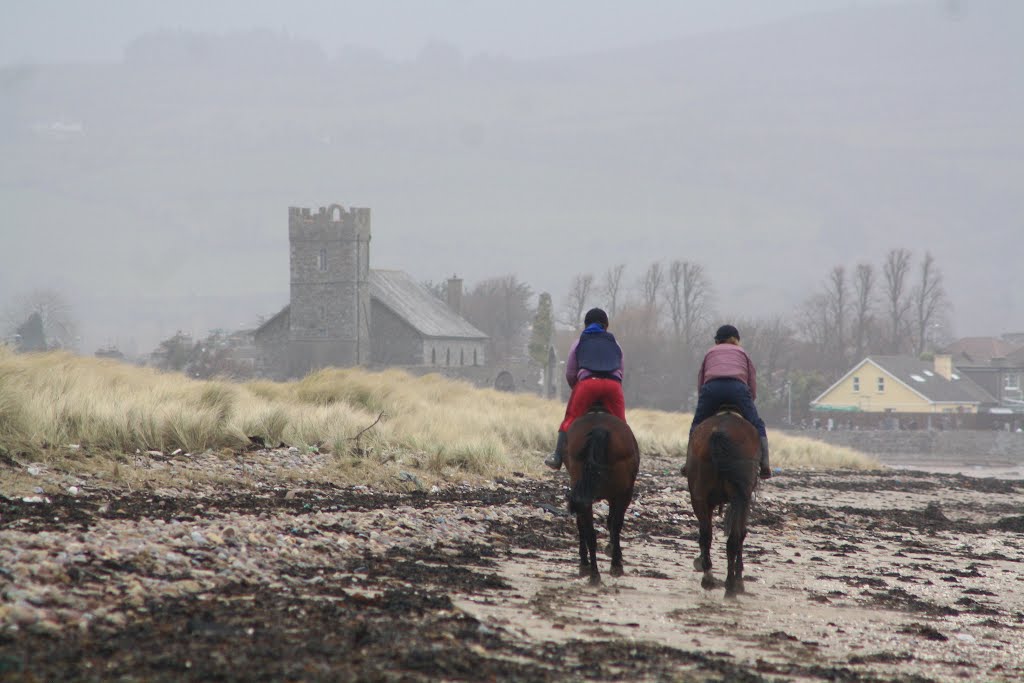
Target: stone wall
(394, 341)
(966, 443)
(453, 353)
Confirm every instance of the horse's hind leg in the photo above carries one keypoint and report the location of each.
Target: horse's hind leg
(703, 561)
(734, 549)
(581, 527)
(734, 582)
(616, 515)
(588, 544)
(590, 535)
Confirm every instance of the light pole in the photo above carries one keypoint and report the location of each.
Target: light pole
(789, 403)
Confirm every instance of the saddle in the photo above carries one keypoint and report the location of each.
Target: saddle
(597, 407)
(727, 408)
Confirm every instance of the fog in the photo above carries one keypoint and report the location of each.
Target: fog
(150, 154)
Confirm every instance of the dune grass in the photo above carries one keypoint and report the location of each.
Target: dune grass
(375, 424)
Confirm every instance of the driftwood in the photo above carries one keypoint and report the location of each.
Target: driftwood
(358, 450)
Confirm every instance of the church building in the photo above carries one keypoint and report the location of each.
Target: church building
(343, 313)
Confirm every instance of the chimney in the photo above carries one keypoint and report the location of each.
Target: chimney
(454, 291)
(944, 365)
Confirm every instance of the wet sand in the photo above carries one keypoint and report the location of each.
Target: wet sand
(897, 575)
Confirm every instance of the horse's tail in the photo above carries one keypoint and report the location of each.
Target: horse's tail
(735, 470)
(595, 470)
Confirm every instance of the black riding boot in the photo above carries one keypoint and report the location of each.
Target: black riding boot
(554, 461)
(766, 469)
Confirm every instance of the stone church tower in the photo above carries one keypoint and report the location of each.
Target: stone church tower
(329, 320)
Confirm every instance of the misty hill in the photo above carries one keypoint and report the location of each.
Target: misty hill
(154, 191)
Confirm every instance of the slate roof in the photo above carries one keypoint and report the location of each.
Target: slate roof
(920, 376)
(410, 301)
(935, 388)
(979, 351)
(275, 320)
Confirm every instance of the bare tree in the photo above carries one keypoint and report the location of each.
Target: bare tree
(863, 305)
(837, 302)
(650, 285)
(895, 270)
(612, 287)
(813, 323)
(929, 297)
(501, 307)
(769, 342)
(689, 301)
(576, 299)
(59, 327)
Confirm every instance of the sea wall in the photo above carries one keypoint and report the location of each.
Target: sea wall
(966, 443)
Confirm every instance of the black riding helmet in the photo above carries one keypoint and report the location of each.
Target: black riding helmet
(725, 332)
(596, 315)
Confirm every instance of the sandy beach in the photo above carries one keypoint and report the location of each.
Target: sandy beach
(895, 575)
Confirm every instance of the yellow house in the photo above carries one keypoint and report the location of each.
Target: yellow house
(903, 384)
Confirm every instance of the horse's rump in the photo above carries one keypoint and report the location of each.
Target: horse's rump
(722, 467)
(603, 457)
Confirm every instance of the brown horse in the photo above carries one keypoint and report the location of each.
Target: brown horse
(722, 468)
(603, 460)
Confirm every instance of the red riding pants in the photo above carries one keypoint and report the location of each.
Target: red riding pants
(593, 390)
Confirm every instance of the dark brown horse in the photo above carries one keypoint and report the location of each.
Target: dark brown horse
(603, 460)
(722, 469)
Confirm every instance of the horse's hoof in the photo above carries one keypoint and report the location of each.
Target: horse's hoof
(616, 570)
(730, 594)
(595, 579)
(739, 588)
(697, 564)
(584, 570)
(708, 582)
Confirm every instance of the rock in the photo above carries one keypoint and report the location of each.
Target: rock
(46, 627)
(73, 490)
(22, 614)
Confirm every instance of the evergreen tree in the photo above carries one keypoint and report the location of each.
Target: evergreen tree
(543, 329)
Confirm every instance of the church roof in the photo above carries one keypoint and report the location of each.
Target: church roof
(410, 301)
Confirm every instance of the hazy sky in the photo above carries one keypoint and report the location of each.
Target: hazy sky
(74, 30)
(840, 127)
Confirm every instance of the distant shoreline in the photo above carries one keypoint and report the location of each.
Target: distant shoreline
(983, 466)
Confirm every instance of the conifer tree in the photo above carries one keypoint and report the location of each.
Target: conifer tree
(543, 329)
